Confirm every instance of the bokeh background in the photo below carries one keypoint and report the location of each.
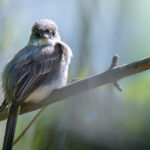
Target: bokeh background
(100, 119)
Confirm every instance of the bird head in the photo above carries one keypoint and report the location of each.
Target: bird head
(44, 32)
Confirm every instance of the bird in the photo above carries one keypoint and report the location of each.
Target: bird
(34, 72)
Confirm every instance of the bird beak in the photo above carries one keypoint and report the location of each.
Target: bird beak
(46, 36)
(46, 39)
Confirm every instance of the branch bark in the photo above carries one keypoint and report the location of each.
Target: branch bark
(110, 76)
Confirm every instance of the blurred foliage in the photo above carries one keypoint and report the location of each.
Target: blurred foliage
(103, 118)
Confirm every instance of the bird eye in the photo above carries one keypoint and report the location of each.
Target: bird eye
(37, 34)
(53, 33)
(47, 31)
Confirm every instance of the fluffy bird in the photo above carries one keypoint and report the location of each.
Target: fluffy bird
(34, 72)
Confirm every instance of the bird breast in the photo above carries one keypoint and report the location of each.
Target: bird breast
(55, 81)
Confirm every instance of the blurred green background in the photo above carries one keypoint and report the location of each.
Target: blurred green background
(100, 119)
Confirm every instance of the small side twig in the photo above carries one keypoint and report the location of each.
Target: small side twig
(114, 62)
(113, 65)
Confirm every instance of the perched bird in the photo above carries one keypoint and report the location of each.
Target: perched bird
(34, 72)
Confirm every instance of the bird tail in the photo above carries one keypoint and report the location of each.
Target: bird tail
(10, 127)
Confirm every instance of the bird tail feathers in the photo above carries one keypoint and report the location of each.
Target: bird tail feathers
(10, 127)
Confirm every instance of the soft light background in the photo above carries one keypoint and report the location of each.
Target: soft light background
(95, 30)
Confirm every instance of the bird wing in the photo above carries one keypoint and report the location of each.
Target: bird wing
(35, 69)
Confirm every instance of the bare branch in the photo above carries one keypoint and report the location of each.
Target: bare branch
(109, 76)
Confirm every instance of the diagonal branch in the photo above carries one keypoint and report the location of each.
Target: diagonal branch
(109, 76)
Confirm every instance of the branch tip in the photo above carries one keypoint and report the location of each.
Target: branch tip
(114, 61)
(118, 87)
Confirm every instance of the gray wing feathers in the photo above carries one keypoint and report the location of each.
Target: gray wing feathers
(33, 72)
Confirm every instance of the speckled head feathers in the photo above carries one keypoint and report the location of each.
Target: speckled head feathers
(44, 25)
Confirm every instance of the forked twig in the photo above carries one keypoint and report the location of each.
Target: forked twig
(113, 65)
